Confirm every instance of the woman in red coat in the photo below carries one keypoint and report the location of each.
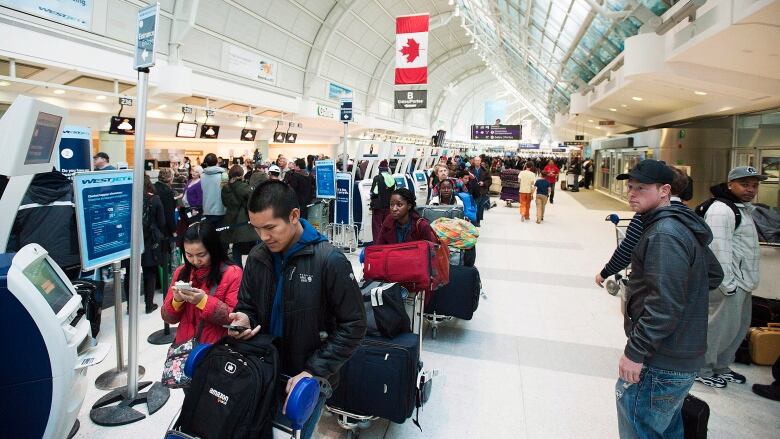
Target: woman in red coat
(206, 264)
(404, 224)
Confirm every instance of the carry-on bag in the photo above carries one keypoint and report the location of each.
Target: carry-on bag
(765, 344)
(432, 213)
(457, 233)
(764, 311)
(380, 379)
(459, 298)
(233, 391)
(469, 206)
(417, 265)
(695, 414)
(386, 314)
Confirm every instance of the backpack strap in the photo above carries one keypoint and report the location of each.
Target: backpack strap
(734, 209)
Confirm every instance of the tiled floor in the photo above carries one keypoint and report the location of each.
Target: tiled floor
(539, 359)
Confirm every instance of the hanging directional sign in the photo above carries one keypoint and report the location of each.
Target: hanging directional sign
(346, 110)
(410, 99)
(147, 28)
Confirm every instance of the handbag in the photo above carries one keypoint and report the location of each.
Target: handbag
(173, 376)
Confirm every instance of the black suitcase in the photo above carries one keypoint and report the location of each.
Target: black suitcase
(460, 297)
(385, 306)
(380, 379)
(695, 414)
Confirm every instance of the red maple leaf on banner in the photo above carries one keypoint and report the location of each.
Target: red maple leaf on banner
(411, 50)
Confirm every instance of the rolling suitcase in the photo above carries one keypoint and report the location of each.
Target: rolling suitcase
(765, 344)
(432, 213)
(459, 298)
(695, 414)
(380, 379)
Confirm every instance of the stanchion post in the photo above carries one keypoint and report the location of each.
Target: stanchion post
(116, 269)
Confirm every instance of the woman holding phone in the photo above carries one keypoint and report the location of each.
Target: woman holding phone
(204, 289)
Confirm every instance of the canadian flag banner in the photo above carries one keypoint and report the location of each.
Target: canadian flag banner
(411, 49)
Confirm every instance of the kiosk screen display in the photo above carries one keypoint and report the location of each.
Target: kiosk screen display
(420, 176)
(44, 136)
(400, 182)
(48, 283)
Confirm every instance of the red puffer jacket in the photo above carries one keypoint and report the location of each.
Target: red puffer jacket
(217, 308)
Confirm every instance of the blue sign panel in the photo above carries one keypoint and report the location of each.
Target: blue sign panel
(75, 150)
(103, 205)
(346, 110)
(325, 172)
(343, 191)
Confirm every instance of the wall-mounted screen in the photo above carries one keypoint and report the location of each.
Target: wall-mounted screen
(248, 135)
(209, 131)
(122, 125)
(186, 129)
(47, 126)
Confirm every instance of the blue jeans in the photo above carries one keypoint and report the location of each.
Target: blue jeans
(308, 428)
(652, 408)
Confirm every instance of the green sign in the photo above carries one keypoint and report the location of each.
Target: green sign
(682, 134)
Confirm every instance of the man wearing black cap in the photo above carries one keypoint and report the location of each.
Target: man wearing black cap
(666, 307)
(382, 187)
(100, 160)
(735, 244)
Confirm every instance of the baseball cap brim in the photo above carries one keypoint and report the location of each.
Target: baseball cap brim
(636, 176)
(758, 176)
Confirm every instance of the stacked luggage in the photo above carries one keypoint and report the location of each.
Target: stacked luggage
(510, 186)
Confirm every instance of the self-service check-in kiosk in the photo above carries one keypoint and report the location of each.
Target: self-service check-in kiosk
(43, 380)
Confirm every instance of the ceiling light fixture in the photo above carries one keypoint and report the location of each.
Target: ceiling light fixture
(637, 98)
(59, 92)
(624, 105)
(161, 107)
(457, 11)
(4, 83)
(100, 97)
(700, 93)
(451, 2)
(590, 120)
(613, 109)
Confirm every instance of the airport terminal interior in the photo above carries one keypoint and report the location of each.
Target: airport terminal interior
(137, 136)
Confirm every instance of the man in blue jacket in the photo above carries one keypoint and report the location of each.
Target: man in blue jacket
(666, 308)
(300, 289)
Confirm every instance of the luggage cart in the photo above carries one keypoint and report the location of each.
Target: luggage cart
(617, 285)
(510, 187)
(354, 422)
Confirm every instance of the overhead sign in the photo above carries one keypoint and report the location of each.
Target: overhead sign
(573, 143)
(411, 99)
(122, 125)
(147, 28)
(248, 64)
(606, 123)
(103, 204)
(343, 195)
(325, 171)
(345, 113)
(248, 135)
(496, 132)
(530, 146)
(128, 102)
(325, 111)
(278, 136)
(559, 150)
(76, 13)
(75, 150)
(579, 137)
(411, 49)
(336, 91)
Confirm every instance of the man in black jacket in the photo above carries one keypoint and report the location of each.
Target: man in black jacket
(302, 184)
(482, 180)
(300, 289)
(666, 309)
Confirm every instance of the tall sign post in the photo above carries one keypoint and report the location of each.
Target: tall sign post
(345, 115)
(157, 395)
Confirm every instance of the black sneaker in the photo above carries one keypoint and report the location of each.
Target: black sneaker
(150, 309)
(767, 391)
(732, 377)
(713, 381)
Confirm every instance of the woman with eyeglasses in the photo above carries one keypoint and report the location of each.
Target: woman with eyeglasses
(213, 287)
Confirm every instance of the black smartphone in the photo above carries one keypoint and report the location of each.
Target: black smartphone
(235, 328)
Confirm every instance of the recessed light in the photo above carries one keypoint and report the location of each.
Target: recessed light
(624, 105)
(700, 93)
(4, 83)
(100, 97)
(59, 92)
(590, 120)
(161, 107)
(613, 109)
(637, 98)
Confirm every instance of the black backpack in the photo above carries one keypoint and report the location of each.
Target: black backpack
(233, 392)
(701, 209)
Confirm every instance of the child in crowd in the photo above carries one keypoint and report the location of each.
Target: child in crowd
(542, 190)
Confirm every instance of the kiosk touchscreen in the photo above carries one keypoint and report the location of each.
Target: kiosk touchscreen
(420, 181)
(42, 386)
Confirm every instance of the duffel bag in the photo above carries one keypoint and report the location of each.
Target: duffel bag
(456, 233)
(417, 265)
(386, 314)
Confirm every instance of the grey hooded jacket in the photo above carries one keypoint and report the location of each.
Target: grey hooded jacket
(673, 271)
(211, 182)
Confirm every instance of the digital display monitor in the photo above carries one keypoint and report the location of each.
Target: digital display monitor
(209, 131)
(186, 129)
(420, 176)
(47, 126)
(400, 182)
(46, 280)
(248, 135)
(122, 125)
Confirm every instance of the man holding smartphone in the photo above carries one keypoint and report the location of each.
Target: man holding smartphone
(300, 289)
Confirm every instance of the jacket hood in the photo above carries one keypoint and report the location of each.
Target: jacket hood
(211, 170)
(683, 214)
(49, 187)
(309, 237)
(722, 191)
